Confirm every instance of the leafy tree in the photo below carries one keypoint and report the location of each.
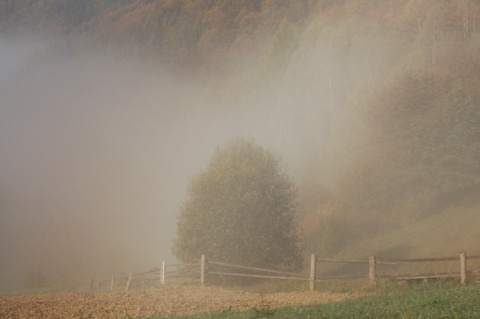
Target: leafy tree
(423, 150)
(240, 209)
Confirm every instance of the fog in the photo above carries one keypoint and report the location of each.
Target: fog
(96, 154)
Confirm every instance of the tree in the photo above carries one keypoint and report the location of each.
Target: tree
(240, 209)
(281, 49)
(421, 149)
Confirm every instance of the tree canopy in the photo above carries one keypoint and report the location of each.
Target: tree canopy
(240, 209)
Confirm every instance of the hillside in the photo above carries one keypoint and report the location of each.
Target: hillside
(199, 35)
(374, 104)
(443, 235)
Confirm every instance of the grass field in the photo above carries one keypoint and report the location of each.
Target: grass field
(405, 301)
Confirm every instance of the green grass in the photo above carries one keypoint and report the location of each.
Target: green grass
(405, 301)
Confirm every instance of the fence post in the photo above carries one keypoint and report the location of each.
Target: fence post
(92, 284)
(372, 273)
(463, 268)
(128, 282)
(202, 270)
(111, 284)
(313, 271)
(162, 276)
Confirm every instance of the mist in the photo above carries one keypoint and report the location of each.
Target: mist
(95, 158)
(376, 124)
(96, 154)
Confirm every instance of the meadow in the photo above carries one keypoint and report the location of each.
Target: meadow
(390, 300)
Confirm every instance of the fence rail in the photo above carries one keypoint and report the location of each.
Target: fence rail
(154, 277)
(197, 272)
(373, 261)
(414, 260)
(421, 276)
(255, 276)
(256, 269)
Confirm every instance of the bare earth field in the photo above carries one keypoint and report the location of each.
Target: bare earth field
(163, 301)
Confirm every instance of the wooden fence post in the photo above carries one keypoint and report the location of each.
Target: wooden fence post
(128, 282)
(313, 271)
(162, 276)
(202, 271)
(92, 283)
(111, 284)
(372, 273)
(463, 268)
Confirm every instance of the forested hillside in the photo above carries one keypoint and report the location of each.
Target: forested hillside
(196, 35)
(378, 99)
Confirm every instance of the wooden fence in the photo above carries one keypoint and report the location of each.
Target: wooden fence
(253, 272)
(373, 261)
(200, 271)
(372, 274)
(155, 277)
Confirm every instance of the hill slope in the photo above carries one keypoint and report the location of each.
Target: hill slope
(374, 103)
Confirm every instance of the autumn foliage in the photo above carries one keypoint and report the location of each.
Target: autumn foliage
(387, 90)
(240, 209)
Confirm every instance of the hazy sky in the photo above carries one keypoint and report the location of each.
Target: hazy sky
(96, 153)
(95, 159)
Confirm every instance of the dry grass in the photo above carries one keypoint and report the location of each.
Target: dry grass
(166, 301)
